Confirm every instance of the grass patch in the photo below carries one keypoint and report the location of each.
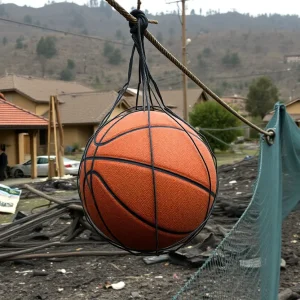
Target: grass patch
(224, 158)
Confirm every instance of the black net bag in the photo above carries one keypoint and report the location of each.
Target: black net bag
(147, 179)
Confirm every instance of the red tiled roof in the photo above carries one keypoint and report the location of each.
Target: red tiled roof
(15, 116)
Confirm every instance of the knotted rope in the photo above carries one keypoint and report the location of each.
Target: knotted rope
(177, 63)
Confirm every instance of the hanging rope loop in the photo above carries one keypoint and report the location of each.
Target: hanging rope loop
(141, 19)
(185, 70)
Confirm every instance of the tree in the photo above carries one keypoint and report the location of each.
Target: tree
(94, 3)
(201, 62)
(193, 13)
(28, 19)
(4, 41)
(263, 94)
(113, 54)
(66, 75)
(78, 20)
(212, 115)
(97, 83)
(207, 52)
(116, 57)
(19, 42)
(108, 49)
(46, 49)
(71, 64)
(231, 60)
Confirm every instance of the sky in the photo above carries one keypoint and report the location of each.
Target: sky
(253, 7)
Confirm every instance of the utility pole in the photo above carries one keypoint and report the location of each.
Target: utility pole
(185, 104)
(184, 78)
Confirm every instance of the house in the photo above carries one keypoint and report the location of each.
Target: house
(238, 103)
(15, 122)
(290, 59)
(81, 114)
(173, 99)
(292, 108)
(33, 94)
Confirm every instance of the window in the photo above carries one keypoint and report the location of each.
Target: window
(43, 137)
(42, 160)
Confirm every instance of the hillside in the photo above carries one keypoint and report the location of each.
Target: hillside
(260, 44)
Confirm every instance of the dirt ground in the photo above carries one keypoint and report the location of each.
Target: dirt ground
(85, 277)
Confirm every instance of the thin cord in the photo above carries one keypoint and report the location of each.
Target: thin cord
(178, 10)
(139, 4)
(175, 61)
(65, 32)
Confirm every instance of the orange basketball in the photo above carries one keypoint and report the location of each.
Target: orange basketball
(147, 181)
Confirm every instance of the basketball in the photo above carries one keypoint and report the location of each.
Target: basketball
(147, 181)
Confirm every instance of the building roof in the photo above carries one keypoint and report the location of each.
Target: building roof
(235, 97)
(268, 117)
(86, 108)
(174, 99)
(39, 89)
(12, 116)
(292, 55)
(292, 102)
(295, 117)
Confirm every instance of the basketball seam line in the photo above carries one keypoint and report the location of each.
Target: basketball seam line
(111, 126)
(125, 161)
(141, 128)
(98, 210)
(133, 212)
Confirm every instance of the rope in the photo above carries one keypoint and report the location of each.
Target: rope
(139, 4)
(64, 32)
(186, 71)
(125, 13)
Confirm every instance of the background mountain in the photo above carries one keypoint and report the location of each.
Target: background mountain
(227, 50)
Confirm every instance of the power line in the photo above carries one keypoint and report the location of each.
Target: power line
(251, 75)
(65, 32)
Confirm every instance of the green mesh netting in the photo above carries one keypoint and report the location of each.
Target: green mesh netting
(246, 265)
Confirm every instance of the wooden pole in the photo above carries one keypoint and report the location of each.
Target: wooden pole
(61, 139)
(55, 136)
(49, 129)
(51, 168)
(33, 152)
(185, 104)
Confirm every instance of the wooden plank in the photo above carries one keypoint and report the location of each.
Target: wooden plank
(49, 135)
(55, 136)
(61, 148)
(33, 153)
